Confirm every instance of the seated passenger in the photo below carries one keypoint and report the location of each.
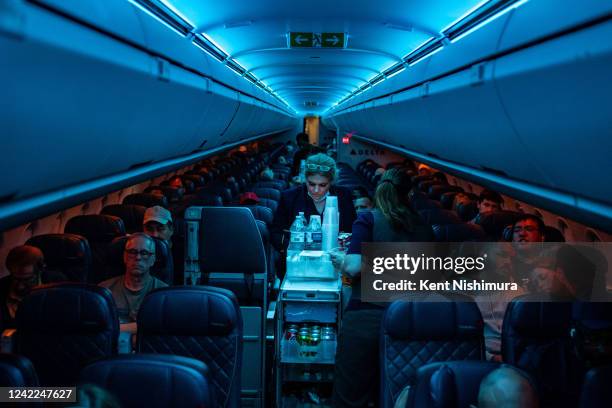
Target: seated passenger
(130, 289)
(506, 387)
(460, 199)
(359, 191)
(157, 223)
(249, 198)
(356, 370)
(310, 198)
(424, 170)
(488, 201)
(266, 174)
(529, 228)
(363, 203)
(25, 265)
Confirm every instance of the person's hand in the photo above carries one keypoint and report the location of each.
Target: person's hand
(337, 258)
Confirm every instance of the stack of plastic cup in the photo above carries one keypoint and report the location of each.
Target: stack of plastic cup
(330, 227)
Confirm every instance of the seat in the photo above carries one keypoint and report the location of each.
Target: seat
(220, 190)
(447, 199)
(495, 222)
(270, 193)
(536, 338)
(419, 204)
(452, 384)
(596, 390)
(551, 234)
(205, 198)
(458, 232)
(131, 214)
(141, 380)
(425, 185)
(438, 216)
(67, 256)
(279, 185)
(467, 211)
(17, 371)
(62, 327)
(99, 230)
(269, 203)
(146, 200)
(415, 333)
(261, 213)
(232, 266)
(162, 269)
(435, 191)
(211, 331)
(173, 194)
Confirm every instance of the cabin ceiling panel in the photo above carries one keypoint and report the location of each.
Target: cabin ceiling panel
(379, 34)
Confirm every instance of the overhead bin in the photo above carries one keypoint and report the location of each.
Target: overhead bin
(513, 102)
(104, 106)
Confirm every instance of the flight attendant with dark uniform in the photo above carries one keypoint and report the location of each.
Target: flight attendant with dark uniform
(356, 374)
(310, 198)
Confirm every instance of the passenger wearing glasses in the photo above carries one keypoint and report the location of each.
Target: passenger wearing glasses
(310, 198)
(25, 265)
(129, 290)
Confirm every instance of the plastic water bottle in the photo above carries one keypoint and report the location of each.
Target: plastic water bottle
(314, 234)
(303, 217)
(297, 231)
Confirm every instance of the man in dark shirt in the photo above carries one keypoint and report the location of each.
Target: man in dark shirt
(129, 290)
(25, 264)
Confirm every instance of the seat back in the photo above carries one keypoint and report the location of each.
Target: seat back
(596, 390)
(435, 191)
(458, 232)
(450, 384)
(495, 222)
(67, 256)
(417, 333)
(99, 230)
(268, 202)
(17, 371)
(146, 200)
(205, 198)
(261, 213)
(536, 338)
(140, 380)
(467, 211)
(131, 214)
(419, 204)
(232, 266)
(162, 269)
(62, 327)
(211, 331)
(271, 193)
(438, 216)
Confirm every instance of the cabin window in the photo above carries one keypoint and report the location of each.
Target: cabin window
(562, 225)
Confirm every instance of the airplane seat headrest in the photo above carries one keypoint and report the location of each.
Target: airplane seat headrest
(435, 191)
(438, 216)
(17, 371)
(552, 234)
(271, 193)
(212, 312)
(447, 199)
(261, 213)
(526, 316)
(495, 222)
(131, 214)
(146, 200)
(458, 232)
(236, 226)
(433, 320)
(67, 254)
(596, 390)
(96, 228)
(420, 204)
(467, 211)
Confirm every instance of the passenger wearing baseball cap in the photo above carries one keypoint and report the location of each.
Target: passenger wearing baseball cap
(158, 223)
(249, 198)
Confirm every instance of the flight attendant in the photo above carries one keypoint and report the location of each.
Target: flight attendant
(310, 198)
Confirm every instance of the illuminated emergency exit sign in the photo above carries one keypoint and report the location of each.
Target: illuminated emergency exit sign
(317, 40)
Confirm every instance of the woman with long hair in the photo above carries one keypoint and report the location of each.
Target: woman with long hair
(356, 375)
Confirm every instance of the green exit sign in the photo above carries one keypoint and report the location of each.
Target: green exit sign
(317, 40)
